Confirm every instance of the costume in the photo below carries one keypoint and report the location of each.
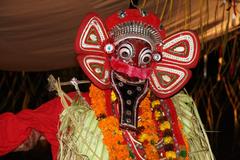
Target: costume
(130, 111)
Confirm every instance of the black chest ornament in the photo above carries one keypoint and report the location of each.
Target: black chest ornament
(130, 94)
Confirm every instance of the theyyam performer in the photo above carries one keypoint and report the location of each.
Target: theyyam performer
(134, 109)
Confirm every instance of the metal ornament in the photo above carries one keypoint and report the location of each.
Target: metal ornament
(122, 14)
(109, 48)
(157, 57)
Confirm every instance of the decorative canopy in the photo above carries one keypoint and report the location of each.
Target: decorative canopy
(39, 35)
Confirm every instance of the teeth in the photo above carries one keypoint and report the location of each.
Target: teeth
(124, 80)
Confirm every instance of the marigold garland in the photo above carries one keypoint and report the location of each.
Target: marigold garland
(113, 138)
(149, 136)
(112, 135)
(164, 127)
(98, 102)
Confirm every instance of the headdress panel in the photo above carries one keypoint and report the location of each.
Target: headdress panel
(171, 57)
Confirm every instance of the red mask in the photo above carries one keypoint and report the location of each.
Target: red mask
(133, 45)
(133, 58)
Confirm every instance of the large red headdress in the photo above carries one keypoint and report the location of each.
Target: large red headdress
(98, 42)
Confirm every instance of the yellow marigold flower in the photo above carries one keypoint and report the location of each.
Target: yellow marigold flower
(171, 155)
(155, 103)
(113, 96)
(157, 115)
(165, 125)
(168, 140)
(118, 132)
(143, 137)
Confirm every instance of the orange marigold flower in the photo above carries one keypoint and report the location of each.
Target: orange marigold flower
(151, 152)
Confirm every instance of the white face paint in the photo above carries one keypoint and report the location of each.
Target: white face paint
(135, 52)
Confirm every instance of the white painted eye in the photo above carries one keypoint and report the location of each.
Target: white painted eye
(125, 51)
(145, 56)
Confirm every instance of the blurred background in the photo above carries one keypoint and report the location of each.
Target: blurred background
(37, 37)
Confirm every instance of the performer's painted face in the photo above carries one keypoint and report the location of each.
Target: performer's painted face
(131, 68)
(134, 52)
(133, 58)
(133, 48)
(134, 65)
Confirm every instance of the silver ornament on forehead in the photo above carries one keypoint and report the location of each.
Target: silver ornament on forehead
(135, 29)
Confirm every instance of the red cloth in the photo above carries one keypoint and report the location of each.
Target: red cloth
(16, 128)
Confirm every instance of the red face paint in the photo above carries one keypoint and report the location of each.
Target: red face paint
(131, 71)
(133, 57)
